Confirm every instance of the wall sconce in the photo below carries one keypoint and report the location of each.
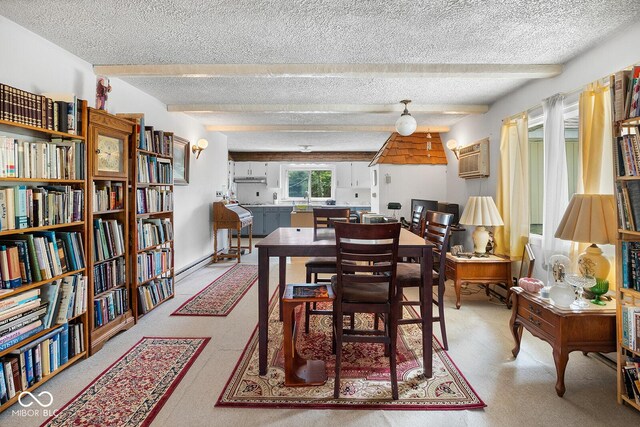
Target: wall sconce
(452, 145)
(197, 149)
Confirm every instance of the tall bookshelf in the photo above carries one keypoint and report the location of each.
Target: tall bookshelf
(151, 216)
(626, 145)
(50, 215)
(110, 291)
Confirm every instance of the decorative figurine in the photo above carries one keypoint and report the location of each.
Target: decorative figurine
(102, 92)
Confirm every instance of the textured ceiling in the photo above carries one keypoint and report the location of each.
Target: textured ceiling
(323, 32)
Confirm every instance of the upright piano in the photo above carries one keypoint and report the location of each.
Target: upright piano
(230, 217)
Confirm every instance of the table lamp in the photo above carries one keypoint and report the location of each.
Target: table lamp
(481, 212)
(590, 218)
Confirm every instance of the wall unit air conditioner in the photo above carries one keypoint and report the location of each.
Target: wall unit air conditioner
(474, 160)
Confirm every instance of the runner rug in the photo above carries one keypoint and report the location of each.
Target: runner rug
(221, 295)
(132, 391)
(364, 378)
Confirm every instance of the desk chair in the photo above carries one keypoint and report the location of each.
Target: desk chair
(366, 283)
(437, 231)
(322, 218)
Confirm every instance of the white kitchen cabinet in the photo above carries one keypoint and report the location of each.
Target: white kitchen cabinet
(343, 175)
(360, 175)
(273, 175)
(244, 169)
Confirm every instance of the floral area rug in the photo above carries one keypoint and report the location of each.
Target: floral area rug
(132, 391)
(364, 376)
(221, 295)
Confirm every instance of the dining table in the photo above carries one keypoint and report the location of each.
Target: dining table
(306, 242)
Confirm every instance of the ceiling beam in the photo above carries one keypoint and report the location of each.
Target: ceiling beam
(317, 128)
(328, 108)
(492, 71)
(294, 156)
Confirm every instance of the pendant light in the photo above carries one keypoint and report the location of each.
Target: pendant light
(406, 125)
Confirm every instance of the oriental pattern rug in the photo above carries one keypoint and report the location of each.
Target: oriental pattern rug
(221, 295)
(132, 391)
(364, 378)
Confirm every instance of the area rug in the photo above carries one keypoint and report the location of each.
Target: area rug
(364, 376)
(132, 391)
(221, 295)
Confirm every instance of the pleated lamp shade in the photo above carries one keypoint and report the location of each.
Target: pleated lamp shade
(481, 211)
(589, 218)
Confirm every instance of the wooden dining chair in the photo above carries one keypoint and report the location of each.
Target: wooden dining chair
(417, 224)
(526, 269)
(366, 283)
(322, 218)
(437, 231)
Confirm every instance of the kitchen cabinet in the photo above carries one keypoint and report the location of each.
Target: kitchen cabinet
(271, 218)
(273, 174)
(360, 175)
(343, 175)
(284, 217)
(258, 222)
(244, 169)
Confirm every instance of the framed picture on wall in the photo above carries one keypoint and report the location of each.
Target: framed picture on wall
(180, 161)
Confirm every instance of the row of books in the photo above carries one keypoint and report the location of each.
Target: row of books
(631, 327)
(153, 231)
(28, 365)
(24, 207)
(152, 169)
(108, 275)
(631, 377)
(153, 293)
(54, 111)
(108, 238)
(626, 94)
(153, 263)
(108, 196)
(66, 299)
(38, 256)
(109, 306)
(628, 199)
(631, 265)
(627, 161)
(55, 159)
(150, 200)
(157, 141)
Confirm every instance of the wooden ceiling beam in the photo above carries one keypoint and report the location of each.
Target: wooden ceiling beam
(294, 156)
(317, 128)
(490, 71)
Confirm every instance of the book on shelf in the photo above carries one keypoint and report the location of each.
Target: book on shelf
(630, 322)
(150, 200)
(152, 169)
(55, 159)
(108, 275)
(108, 239)
(109, 306)
(153, 263)
(153, 293)
(108, 196)
(153, 231)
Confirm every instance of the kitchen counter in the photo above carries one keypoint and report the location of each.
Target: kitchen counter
(290, 205)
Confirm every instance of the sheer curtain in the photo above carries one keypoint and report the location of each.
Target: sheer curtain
(512, 196)
(556, 191)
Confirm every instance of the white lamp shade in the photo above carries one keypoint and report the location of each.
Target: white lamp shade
(481, 211)
(589, 218)
(406, 125)
(203, 143)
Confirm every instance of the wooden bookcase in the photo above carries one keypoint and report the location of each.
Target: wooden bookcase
(78, 321)
(110, 301)
(151, 178)
(626, 296)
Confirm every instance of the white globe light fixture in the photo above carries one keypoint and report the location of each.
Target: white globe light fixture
(406, 125)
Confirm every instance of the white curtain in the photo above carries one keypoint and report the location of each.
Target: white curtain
(556, 193)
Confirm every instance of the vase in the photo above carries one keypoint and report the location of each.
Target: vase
(562, 294)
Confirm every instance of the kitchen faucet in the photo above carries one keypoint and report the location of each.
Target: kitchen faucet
(306, 196)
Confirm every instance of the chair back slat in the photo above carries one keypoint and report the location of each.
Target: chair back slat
(438, 231)
(375, 249)
(417, 221)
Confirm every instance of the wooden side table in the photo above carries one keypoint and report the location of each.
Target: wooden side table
(588, 330)
(298, 371)
(486, 270)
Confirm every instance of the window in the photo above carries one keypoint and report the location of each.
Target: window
(314, 182)
(536, 161)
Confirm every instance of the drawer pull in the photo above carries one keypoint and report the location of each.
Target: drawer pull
(534, 310)
(534, 321)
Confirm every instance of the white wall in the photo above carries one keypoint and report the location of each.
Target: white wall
(409, 182)
(612, 55)
(32, 63)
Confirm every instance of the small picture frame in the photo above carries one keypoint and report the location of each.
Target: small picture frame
(181, 157)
